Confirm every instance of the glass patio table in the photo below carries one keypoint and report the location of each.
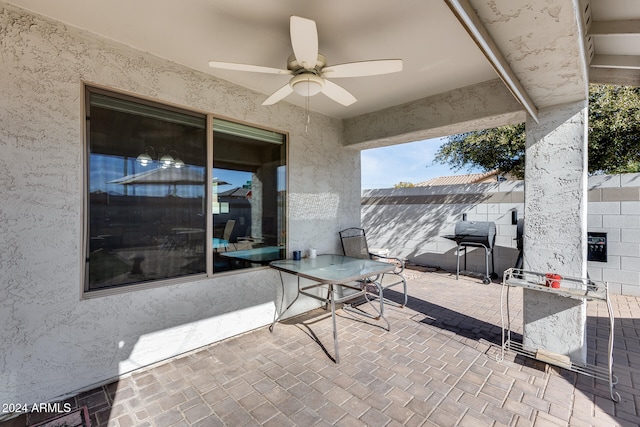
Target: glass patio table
(330, 274)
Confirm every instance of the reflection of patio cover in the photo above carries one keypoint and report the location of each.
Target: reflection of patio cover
(171, 176)
(235, 192)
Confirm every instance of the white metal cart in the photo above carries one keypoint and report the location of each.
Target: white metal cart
(570, 287)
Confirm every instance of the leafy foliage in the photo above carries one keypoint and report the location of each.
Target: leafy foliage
(403, 184)
(614, 138)
(614, 129)
(498, 148)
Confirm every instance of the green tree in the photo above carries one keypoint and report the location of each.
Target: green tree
(403, 184)
(614, 129)
(614, 138)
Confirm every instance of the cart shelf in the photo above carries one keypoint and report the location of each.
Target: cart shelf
(570, 287)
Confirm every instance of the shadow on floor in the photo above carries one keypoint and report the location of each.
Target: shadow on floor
(453, 321)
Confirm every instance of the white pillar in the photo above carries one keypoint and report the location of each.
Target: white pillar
(556, 226)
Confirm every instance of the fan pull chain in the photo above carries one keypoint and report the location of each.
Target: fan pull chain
(306, 111)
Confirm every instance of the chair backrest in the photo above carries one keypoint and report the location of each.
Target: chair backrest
(228, 229)
(354, 243)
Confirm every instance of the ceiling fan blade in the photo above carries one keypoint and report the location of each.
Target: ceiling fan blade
(246, 67)
(304, 40)
(363, 68)
(278, 95)
(338, 93)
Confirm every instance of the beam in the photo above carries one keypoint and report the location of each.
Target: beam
(481, 106)
(627, 62)
(470, 21)
(615, 76)
(615, 28)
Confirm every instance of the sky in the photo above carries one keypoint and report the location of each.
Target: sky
(410, 162)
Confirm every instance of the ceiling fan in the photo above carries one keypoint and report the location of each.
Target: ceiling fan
(309, 68)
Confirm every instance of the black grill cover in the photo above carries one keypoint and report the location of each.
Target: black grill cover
(520, 233)
(480, 232)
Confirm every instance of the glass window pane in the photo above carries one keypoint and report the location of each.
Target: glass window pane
(147, 185)
(248, 196)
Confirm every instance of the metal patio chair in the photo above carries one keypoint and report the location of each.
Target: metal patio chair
(354, 244)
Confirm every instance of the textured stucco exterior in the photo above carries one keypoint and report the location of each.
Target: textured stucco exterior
(556, 226)
(480, 106)
(555, 52)
(54, 342)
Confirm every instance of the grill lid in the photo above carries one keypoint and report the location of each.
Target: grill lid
(480, 232)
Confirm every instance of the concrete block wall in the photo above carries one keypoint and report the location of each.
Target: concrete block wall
(614, 208)
(410, 222)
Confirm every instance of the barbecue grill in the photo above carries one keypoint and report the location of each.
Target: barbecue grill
(476, 234)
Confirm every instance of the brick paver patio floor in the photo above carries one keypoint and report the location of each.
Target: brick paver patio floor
(436, 367)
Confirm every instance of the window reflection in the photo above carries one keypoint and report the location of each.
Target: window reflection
(146, 215)
(150, 192)
(248, 197)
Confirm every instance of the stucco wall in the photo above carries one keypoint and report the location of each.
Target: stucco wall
(52, 341)
(411, 223)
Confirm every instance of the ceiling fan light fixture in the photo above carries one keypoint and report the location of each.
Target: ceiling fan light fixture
(308, 67)
(307, 84)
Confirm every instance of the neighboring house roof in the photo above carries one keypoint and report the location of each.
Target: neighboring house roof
(472, 178)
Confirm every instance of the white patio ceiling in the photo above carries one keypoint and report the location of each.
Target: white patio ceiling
(614, 33)
(543, 44)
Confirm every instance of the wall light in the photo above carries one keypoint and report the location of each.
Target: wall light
(144, 159)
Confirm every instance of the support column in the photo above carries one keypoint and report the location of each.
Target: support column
(556, 226)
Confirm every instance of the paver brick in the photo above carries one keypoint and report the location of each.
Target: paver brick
(373, 417)
(216, 395)
(338, 395)
(306, 417)
(470, 420)
(500, 415)
(518, 408)
(276, 395)
(252, 400)
(264, 412)
(535, 403)
(331, 412)
(437, 366)
(167, 418)
(196, 413)
(447, 412)
(349, 421)
(172, 401)
(359, 390)
(238, 418)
